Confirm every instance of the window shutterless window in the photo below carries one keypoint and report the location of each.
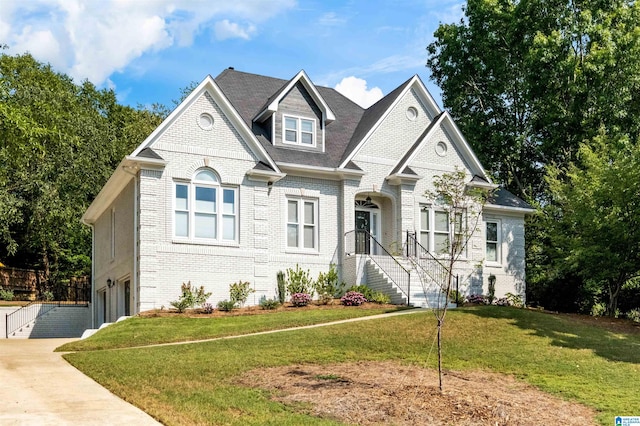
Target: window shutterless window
(492, 243)
(435, 230)
(299, 131)
(197, 212)
(302, 224)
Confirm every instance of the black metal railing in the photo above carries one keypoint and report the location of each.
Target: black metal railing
(362, 242)
(427, 263)
(74, 295)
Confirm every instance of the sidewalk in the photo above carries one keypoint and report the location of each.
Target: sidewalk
(38, 387)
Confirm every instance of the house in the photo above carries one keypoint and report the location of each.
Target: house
(251, 175)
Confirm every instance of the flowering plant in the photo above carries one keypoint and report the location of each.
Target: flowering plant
(207, 308)
(353, 298)
(300, 299)
(477, 298)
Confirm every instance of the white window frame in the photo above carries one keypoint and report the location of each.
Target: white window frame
(497, 242)
(301, 224)
(299, 131)
(219, 213)
(430, 230)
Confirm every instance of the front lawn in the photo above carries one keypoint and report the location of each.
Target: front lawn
(198, 383)
(168, 328)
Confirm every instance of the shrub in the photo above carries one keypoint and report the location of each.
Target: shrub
(379, 297)
(190, 297)
(300, 299)
(207, 308)
(598, 309)
(353, 298)
(456, 297)
(503, 301)
(299, 281)
(269, 304)
(240, 291)
(477, 299)
(226, 305)
(492, 289)
(282, 290)
(634, 315)
(327, 285)
(47, 295)
(6, 294)
(514, 300)
(362, 289)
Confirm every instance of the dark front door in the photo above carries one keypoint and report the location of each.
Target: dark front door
(363, 228)
(127, 298)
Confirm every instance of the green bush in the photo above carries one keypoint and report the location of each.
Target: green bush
(269, 304)
(456, 297)
(239, 292)
(299, 281)
(492, 289)
(226, 305)
(282, 289)
(190, 298)
(634, 315)
(47, 295)
(598, 309)
(6, 294)
(514, 300)
(327, 285)
(366, 291)
(379, 297)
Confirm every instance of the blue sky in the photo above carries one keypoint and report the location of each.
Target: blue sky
(146, 50)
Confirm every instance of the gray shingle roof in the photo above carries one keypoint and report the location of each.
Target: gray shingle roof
(149, 153)
(248, 93)
(502, 197)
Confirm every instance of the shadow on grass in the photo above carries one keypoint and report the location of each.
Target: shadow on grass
(568, 331)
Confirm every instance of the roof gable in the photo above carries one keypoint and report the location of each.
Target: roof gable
(209, 85)
(273, 102)
(375, 115)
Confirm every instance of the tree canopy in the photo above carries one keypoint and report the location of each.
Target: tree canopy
(544, 90)
(60, 143)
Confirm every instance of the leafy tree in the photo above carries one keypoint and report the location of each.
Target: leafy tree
(463, 205)
(596, 212)
(60, 143)
(529, 80)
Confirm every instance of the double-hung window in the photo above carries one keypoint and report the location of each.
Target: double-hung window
(299, 131)
(436, 233)
(206, 210)
(302, 224)
(492, 241)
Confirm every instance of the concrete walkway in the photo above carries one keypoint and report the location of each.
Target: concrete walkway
(38, 387)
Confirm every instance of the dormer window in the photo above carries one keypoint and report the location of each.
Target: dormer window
(299, 131)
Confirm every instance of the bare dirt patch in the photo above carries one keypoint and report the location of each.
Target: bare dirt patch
(371, 393)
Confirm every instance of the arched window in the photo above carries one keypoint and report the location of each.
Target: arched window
(205, 209)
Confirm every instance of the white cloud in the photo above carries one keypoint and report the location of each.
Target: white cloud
(94, 39)
(225, 29)
(331, 19)
(356, 89)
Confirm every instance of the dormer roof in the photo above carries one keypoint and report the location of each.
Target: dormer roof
(271, 106)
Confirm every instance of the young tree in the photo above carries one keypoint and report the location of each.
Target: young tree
(463, 205)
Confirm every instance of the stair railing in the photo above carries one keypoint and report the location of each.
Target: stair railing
(363, 243)
(34, 310)
(427, 263)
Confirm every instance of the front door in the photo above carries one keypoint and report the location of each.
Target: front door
(127, 298)
(363, 229)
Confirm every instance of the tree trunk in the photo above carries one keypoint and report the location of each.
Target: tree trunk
(439, 355)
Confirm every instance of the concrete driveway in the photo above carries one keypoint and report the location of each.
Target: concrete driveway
(38, 387)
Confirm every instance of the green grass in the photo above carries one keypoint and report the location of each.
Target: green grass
(140, 331)
(196, 383)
